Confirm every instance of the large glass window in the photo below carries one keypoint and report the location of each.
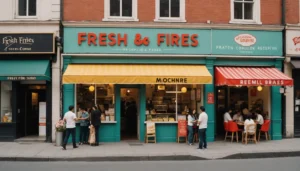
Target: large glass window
(167, 103)
(101, 95)
(5, 101)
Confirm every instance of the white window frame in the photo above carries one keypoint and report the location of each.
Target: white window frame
(181, 18)
(27, 15)
(107, 16)
(256, 14)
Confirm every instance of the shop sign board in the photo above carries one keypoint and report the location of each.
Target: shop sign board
(23, 43)
(182, 128)
(136, 41)
(210, 98)
(150, 126)
(247, 43)
(293, 42)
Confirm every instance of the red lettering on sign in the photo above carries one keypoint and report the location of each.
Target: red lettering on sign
(81, 38)
(175, 39)
(122, 39)
(92, 37)
(184, 40)
(160, 38)
(112, 38)
(194, 40)
(102, 39)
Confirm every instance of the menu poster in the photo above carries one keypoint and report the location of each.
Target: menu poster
(150, 128)
(182, 128)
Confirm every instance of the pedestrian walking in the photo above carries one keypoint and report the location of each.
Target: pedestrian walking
(202, 121)
(70, 119)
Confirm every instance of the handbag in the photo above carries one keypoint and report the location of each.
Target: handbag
(92, 136)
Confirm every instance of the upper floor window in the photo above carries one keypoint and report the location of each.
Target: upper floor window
(26, 8)
(122, 10)
(245, 11)
(170, 10)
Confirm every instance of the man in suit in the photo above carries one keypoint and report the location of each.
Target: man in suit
(95, 122)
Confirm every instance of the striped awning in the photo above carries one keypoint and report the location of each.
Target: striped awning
(251, 76)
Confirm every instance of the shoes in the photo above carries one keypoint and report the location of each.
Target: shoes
(75, 147)
(191, 144)
(80, 143)
(64, 147)
(199, 148)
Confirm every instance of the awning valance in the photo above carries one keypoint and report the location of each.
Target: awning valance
(251, 76)
(136, 74)
(22, 70)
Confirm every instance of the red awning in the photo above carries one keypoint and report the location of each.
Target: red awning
(246, 76)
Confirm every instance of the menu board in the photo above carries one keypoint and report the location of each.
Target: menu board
(150, 128)
(182, 128)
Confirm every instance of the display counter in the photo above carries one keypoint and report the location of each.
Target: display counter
(165, 131)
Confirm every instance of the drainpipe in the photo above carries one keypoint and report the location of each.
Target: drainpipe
(283, 23)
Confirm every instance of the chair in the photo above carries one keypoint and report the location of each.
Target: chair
(225, 124)
(265, 129)
(233, 128)
(247, 135)
(150, 134)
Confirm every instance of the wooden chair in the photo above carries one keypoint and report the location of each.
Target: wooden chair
(247, 135)
(265, 129)
(151, 134)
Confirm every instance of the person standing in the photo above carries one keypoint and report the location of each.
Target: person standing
(95, 122)
(84, 127)
(191, 121)
(70, 119)
(202, 121)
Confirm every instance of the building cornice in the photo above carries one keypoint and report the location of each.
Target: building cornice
(29, 22)
(292, 27)
(172, 25)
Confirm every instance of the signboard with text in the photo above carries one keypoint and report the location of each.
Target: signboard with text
(293, 42)
(21, 43)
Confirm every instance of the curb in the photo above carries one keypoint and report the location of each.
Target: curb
(151, 158)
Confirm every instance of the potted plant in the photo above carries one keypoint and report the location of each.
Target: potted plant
(60, 128)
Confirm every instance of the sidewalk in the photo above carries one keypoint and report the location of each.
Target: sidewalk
(135, 151)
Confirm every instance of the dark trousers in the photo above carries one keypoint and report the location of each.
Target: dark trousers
(202, 137)
(191, 134)
(68, 132)
(96, 134)
(258, 126)
(84, 133)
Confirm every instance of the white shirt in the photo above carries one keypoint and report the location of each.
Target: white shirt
(70, 119)
(260, 119)
(248, 122)
(190, 119)
(203, 120)
(227, 117)
(238, 118)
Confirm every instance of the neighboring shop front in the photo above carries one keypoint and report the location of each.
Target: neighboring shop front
(292, 94)
(25, 81)
(164, 72)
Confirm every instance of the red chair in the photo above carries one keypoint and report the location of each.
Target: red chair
(233, 128)
(226, 130)
(265, 129)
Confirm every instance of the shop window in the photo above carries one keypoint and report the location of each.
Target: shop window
(101, 95)
(170, 10)
(5, 101)
(168, 103)
(245, 11)
(26, 8)
(116, 10)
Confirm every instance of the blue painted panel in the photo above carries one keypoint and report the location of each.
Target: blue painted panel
(109, 132)
(142, 111)
(203, 37)
(166, 132)
(244, 42)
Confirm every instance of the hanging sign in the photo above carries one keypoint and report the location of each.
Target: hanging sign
(210, 98)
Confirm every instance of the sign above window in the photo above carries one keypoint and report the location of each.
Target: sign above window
(293, 42)
(39, 43)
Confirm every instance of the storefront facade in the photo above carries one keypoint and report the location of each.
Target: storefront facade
(292, 68)
(26, 85)
(101, 57)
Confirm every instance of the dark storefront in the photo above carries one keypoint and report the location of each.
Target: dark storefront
(25, 84)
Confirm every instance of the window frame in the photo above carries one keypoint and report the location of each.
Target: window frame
(181, 17)
(107, 16)
(17, 16)
(256, 14)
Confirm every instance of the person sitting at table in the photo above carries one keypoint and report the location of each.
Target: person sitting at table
(227, 116)
(238, 117)
(248, 121)
(259, 119)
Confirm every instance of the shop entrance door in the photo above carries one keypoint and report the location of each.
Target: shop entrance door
(29, 97)
(297, 106)
(129, 113)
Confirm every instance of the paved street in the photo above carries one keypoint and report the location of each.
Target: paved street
(140, 151)
(278, 164)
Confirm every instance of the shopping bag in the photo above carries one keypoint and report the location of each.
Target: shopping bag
(92, 138)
